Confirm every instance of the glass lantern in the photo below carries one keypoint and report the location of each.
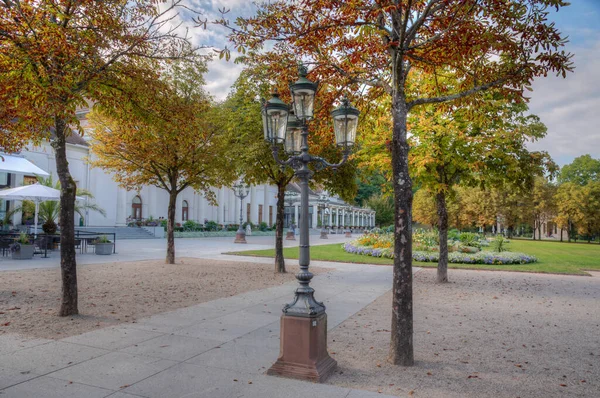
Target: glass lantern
(293, 136)
(275, 116)
(303, 95)
(345, 123)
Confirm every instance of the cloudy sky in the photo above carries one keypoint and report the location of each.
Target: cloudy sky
(569, 107)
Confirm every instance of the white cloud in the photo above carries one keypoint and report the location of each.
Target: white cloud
(570, 107)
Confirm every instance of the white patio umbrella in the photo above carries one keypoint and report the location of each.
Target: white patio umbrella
(37, 193)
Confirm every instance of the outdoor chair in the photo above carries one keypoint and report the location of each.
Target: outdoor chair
(5, 246)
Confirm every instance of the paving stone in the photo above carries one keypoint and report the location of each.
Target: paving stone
(48, 387)
(186, 380)
(120, 394)
(50, 357)
(163, 323)
(13, 342)
(245, 358)
(113, 338)
(10, 377)
(114, 370)
(173, 347)
(228, 327)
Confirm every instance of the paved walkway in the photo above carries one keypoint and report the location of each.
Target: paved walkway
(218, 349)
(149, 249)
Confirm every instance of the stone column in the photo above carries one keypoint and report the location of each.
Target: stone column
(315, 216)
(253, 205)
(265, 215)
(295, 221)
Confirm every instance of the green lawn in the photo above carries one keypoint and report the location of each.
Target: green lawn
(553, 257)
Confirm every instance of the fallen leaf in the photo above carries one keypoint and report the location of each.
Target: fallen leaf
(562, 385)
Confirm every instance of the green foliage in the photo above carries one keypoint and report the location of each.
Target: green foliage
(368, 188)
(581, 171)
(190, 225)
(23, 239)
(211, 226)
(263, 226)
(498, 245)
(103, 239)
(469, 239)
(384, 208)
(49, 227)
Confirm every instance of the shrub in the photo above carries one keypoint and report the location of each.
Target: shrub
(103, 239)
(190, 225)
(469, 239)
(233, 227)
(498, 245)
(211, 226)
(263, 226)
(454, 234)
(49, 227)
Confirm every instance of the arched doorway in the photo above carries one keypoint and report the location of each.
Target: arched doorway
(184, 210)
(136, 208)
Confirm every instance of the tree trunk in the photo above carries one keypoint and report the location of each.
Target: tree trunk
(279, 260)
(171, 227)
(561, 233)
(401, 345)
(442, 211)
(68, 264)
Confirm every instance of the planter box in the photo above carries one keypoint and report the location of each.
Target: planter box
(104, 248)
(25, 253)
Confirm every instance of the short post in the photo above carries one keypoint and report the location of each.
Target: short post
(240, 190)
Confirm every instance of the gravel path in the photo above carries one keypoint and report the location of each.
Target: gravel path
(485, 334)
(123, 292)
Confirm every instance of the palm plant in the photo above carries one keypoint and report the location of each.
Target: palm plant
(49, 210)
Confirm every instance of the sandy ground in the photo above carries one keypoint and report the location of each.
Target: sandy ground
(485, 334)
(123, 292)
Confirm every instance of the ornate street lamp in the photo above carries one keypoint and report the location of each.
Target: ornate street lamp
(291, 197)
(303, 351)
(323, 203)
(240, 190)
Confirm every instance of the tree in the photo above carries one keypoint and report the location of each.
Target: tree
(163, 133)
(476, 207)
(482, 144)
(588, 222)
(542, 204)
(380, 46)
(424, 211)
(253, 153)
(582, 170)
(567, 208)
(368, 187)
(56, 54)
(383, 205)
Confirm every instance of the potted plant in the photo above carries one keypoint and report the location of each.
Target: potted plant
(22, 249)
(103, 246)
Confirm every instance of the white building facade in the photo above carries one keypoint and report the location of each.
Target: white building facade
(123, 206)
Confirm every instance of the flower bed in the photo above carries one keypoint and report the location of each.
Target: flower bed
(484, 257)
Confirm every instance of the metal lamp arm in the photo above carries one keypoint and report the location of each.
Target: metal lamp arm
(275, 150)
(326, 164)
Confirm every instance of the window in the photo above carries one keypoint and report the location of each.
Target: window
(29, 180)
(270, 216)
(184, 211)
(248, 207)
(136, 208)
(4, 180)
(260, 213)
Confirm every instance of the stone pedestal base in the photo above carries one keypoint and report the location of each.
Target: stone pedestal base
(240, 237)
(290, 235)
(303, 349)
(324, 234)
(348, 234)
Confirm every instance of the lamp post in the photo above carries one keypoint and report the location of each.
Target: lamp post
(290, 198)
(323, 201)
(241, 190)
(303, 348)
